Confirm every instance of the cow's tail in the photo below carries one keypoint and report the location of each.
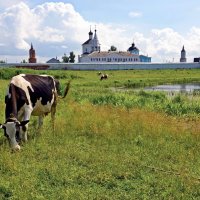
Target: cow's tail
(66, 90)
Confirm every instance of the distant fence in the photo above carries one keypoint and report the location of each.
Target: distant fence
(101, 66)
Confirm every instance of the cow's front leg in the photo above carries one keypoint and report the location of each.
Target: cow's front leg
(24, 124)
(23, 132)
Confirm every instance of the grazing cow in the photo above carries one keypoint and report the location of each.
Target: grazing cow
(103, 76)
(28, 95)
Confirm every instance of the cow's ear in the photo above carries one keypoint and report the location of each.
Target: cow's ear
(23, 123)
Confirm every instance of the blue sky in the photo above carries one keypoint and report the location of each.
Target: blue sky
(179, 14)
(158, 28)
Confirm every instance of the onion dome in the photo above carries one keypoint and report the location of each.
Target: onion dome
(133, 47)
(90, 33)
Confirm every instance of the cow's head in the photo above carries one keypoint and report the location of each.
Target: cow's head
(11, 130)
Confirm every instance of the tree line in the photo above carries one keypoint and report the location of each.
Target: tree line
(69, 59)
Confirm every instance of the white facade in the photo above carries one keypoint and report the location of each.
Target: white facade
(92, 44)
(91, 53)
(109, 56)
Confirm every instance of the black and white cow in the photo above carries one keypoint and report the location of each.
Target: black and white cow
(28, 95)
(103, 76)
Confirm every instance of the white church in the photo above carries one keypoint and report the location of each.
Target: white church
(91, 53)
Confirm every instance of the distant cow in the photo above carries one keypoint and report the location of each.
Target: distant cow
(103, 76)
(28, 95)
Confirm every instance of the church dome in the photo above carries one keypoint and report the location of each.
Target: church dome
(133, 47)
(90, 33)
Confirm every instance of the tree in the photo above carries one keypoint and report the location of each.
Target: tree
(71, 57)
(113, 48)
(65, 59)
(24, 61)
(2, 61)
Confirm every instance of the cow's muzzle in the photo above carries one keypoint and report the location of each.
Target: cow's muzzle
(16, 148)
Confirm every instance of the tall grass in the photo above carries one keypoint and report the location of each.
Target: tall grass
(104, 152)
(182, 105)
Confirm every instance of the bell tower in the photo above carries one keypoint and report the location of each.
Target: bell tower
(32, 58)
(183, 55)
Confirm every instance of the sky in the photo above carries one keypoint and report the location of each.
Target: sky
(158, 28)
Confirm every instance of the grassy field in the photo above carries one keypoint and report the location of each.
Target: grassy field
(108, 144)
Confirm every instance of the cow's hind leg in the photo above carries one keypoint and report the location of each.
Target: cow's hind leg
(53, 113)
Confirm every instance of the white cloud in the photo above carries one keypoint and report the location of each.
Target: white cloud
(135, 14)
(16, 24)
(49, 26)
(64, 46)
(8, 3)
(57, 28)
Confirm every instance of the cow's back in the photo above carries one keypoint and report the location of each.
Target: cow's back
(42, 87)
(36, 91)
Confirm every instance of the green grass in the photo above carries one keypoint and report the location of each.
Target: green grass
(106, 150)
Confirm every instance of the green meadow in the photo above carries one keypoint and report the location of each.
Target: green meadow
(112, 140)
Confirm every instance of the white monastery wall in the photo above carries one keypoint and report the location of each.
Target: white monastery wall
(106, 66)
